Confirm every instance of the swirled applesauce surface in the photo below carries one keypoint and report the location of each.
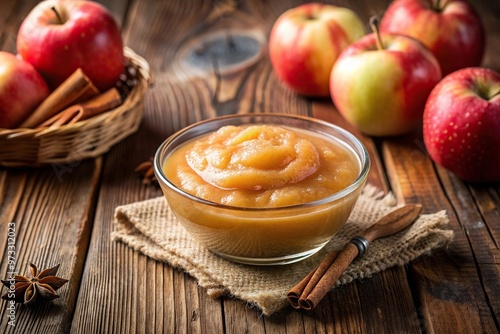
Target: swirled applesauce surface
(261, 166)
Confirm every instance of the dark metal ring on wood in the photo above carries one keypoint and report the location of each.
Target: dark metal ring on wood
(362, 244)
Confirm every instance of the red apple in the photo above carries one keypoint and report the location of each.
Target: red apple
(58, 37)
(380, 86)
(462, 124)
(306, 40)
(451, 29)
(22, 89)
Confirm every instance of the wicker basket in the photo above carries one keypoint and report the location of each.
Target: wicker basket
(81, 140)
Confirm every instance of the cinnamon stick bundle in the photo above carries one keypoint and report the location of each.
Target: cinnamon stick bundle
(308, 283)
(309, 292)
(87, 109)
(76, 88)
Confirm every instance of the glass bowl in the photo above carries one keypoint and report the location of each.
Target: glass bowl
(270, 235)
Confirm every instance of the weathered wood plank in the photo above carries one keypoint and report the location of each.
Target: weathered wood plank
(11, 191)
(478, 213)
(12, 187)
(114, 274)
(477, 209)
(451, 295)
(53, 218)
(239, 319)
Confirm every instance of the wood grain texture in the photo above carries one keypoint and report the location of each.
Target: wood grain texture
(53, 218)
(116, 290)
(478, 211)
(449, 287)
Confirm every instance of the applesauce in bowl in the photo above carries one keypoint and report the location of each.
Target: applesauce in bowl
(262, 189)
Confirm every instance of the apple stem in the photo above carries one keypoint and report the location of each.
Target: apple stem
(438, 5)
(59, 18)
(374, 25)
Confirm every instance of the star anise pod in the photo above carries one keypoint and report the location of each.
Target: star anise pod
(147, 171)
(35, 285)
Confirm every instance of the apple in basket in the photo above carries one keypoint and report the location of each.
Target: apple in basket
(58, 37)
(306, 40)
(22, 89)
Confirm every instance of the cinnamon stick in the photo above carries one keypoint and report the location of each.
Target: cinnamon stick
(76, 88)
(79, 112)
(309, 282)
(294, 294)
(311, 299)
(309, 292)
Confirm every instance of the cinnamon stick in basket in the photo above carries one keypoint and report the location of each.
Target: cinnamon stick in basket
(87, 109)
(309, 292)
(77, 87)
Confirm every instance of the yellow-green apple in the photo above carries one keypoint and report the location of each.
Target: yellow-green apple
(462, 124)
(58, 37)
(451, 29)
(306, 40)
(380, 83)
(22, 89)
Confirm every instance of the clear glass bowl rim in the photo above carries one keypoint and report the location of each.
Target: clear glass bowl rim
(354, 141)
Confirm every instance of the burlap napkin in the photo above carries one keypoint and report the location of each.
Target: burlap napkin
(151, 228)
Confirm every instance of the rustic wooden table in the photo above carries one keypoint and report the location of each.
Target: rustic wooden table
(64, 215)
